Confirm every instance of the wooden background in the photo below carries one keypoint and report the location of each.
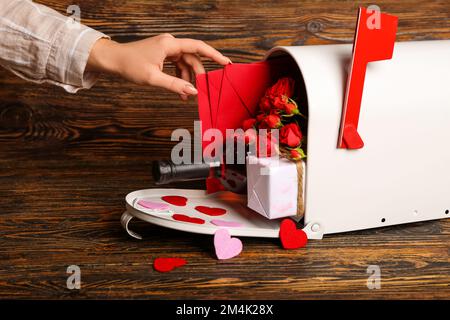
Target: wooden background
(67, 161)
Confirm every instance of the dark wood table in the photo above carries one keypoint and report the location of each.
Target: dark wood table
(67, 162)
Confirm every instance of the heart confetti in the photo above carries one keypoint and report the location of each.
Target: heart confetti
(214, 185)
(290, 236)
(211, 211)
(153, 205)
(168, 264)
(185, 218)
(223, 223)
(175, 200)
(226, 247)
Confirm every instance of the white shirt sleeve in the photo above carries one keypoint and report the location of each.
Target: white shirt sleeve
(40, 45)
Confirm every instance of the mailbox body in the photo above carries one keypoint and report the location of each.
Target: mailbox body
(402, 174)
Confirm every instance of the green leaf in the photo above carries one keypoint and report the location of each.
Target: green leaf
(302, 153)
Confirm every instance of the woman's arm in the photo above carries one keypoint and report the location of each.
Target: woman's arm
(142, 61)
(41, 45)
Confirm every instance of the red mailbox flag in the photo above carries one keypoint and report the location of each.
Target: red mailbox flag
(374, 40)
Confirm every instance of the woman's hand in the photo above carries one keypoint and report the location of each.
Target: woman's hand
(142, 61)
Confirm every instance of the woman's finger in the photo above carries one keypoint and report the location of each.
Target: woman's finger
(201, 48)
(178, 73)
(194, 62)
(160, 79)
(185, 71)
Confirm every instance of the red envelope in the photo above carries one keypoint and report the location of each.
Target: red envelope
(228, 96)
(215, 79)
(204, 108)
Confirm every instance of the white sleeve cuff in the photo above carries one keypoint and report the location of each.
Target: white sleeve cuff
(69, 55)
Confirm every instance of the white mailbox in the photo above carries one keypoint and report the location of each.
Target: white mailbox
(402, 174)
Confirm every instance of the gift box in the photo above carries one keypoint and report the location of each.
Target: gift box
(273, 187)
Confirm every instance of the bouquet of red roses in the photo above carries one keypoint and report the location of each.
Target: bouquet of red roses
(278, 110)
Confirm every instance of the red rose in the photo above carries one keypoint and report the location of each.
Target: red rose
(291, 135)
(295, 155)
(272, 121)
(249, 123)
(265, 104)
(261, 124)
(290, 108)
(283, 87)
(284, 104)
(260, 117)
(279, 102)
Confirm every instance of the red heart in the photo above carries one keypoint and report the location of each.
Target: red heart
(185, 218)
(290, 236)
(175, 200)
(213, 185)
(211, 211)
(168, 264)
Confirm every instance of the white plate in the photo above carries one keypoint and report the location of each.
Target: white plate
(252, 223)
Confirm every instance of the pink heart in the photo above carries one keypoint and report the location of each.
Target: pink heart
(223, 223)
(153, 205)
(226, 247)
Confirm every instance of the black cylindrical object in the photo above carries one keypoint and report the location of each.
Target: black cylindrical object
(165, 171)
